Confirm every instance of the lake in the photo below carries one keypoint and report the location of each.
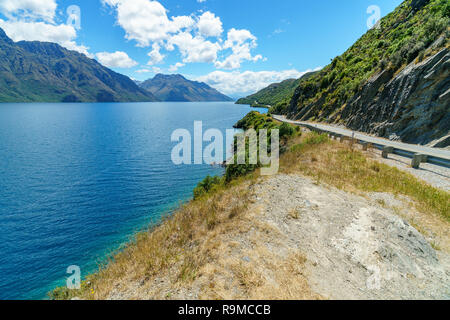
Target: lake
(78, 180)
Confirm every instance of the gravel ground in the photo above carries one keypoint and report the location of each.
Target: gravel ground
(356, 248)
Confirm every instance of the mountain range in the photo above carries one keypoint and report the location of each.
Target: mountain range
(175, 87)
(46, 72)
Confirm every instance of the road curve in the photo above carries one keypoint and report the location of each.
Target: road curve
(412, 148)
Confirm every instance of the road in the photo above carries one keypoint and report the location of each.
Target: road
(412, 148)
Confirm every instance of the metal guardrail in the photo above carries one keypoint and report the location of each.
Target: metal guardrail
(417, 158)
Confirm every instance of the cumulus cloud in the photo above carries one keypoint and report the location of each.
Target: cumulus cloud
(30, 9)
(152, 70)
(146, 21)
(155, 55)
(62, 34)
(197, 38)
(243, 83)
(176, 66)
(194, 49)
(209, 25)
(118, 59)
(241, 42)
(33, 20)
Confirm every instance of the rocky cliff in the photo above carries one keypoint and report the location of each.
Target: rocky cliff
(393, 82)
(412, 106)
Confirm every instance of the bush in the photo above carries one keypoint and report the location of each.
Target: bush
(205, 186)
(286, 130)
(315, 138)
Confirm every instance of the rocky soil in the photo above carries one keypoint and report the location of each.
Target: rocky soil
(355, 247)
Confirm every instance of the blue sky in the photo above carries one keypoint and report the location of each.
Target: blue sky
(237, 46)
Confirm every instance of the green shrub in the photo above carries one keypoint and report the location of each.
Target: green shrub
(315, 138)
(286, 130)
(205, 186)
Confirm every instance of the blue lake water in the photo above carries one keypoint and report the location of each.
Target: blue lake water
(78, 180)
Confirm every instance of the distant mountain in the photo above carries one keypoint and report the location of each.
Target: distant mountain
(46, 72)
(177, 88)
(275, 93)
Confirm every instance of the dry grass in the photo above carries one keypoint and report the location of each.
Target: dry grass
(345, 167)
(171, 246)
(201, 247)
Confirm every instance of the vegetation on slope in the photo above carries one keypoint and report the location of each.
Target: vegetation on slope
(274, 95)
(403, 36)
(253, 120)
(347, 168)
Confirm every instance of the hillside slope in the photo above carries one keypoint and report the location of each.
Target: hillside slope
(46, 72)
(393, 82)
(276, 93)
(177, 88)
(334, 223)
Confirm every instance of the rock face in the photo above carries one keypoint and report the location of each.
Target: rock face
(392, 82)
(413, 106)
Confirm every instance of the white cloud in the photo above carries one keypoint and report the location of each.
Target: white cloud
(209, 25)
(152, 70)
(155, 55)
(146, 21)
(196, 38)
(156, 70)
(30, 9)
(194, 49)
(241, 42)
(143, 71)
(118, 59)
(243, 83)
(176, 66)
(33, 20)
(62, 34)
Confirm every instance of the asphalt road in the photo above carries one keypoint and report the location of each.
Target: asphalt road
(414, 148)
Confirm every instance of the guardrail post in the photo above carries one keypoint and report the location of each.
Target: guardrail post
(365, 146)
(418, 159)
(386, 151)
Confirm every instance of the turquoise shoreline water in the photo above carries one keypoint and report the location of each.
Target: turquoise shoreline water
(78, 180)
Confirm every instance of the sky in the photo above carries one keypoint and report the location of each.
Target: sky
(236, 46)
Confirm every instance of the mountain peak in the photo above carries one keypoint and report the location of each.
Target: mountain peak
(161, 76)
(175, 87)
(4, 37)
